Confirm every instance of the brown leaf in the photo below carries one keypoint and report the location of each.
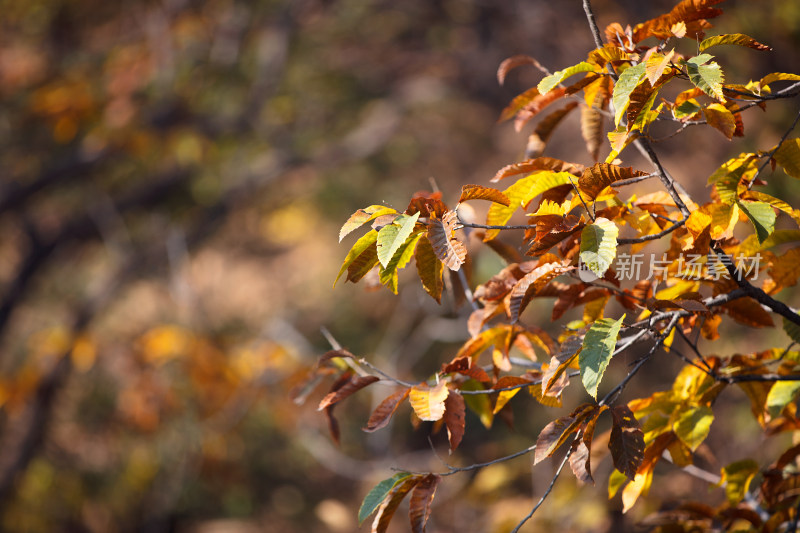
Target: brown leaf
(465, 366)
(390, 504)
(532, 282)
(538, 139)
(383, 413)
(536, 105)
(540, 163)
(599, 176)
(579, 461)
(749, 312)
(362, 264)
(352, 385)
(626, 442)
(429, 269)
(333, 424)
(454, 411)
(478, 192)
(691, 12)
(559, 362)
(513, 62)
(427, 204)
(447, 248)
(556, 432)
(327, 356)
(419, 507)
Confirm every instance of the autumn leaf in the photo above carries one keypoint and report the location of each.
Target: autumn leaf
(749, 312)
(626, 442)
(419, 507)
(736, 478)
(739, 39)
(454, 412)
(383, 413)
(706, 76)
(549, 82)
(392, 502)
(504, 396)
(362, 216)
(599, 245)
(580, 460)
(788, 157)
(598, 347)
(627, 82)
(378, 494)
(513, 62)
(693, 424)
(533, 281)
(556, 432)
(538, 139)
(478, 192)
(720, 118)
(354, 384)
(539, 163)
(392, 236)
(428, 402)
(358, 248)
(429, 269)
(447, 248)
(601, 175)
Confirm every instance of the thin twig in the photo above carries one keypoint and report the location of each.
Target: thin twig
(546, 493)
(655, 236)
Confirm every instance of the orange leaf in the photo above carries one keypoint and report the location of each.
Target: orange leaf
(419, 507)
(540, 163)
(383, 413)
(626, 442)
(538, 139)
(599, 176)
(720, 118)
(478, 192)
(749, 312)
(513, 62)
(533, 282)
(691, 12)
(556, 432)
(454, 411)
(447, 248)
(428, 403)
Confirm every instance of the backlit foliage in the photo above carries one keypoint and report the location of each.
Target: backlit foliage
(582, 223)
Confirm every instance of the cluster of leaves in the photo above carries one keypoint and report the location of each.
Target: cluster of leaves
(576, 218)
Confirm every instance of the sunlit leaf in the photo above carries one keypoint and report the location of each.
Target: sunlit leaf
(656, 65)
(478, 192)
(736, 478)
(781, 393)
(447, 248)
(599, 176)
(518, 103)
(627, 82)
(428, 402)
(362, 264)
(362, 216)
(378, 494)
(720, 118)
(626, 442)
(598, 347)
(539, 163)
(762, 216)
(358, 248)
(520, 194)
(429, 269)
(788, 157)
(778, 76)
(503, 397)
(353, 385)
(532, 282)
(693, 424)
(392, 237)
(599, 245)
(383, 413)
(706, 76)
(454, 412)
(689, 12)
(419, 506)
(561, 361)
(638, 487)
(732, 38)
(579, 461)
(549, 82)
(554, 435)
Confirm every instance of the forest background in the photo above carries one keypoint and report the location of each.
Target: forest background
(175, 174)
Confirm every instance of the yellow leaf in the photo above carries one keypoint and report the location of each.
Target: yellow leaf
(638, 487)
(428, 403)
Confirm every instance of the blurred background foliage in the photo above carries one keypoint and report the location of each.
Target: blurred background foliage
(174, 173)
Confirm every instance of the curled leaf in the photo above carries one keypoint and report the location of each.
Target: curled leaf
(478, 192)
(428, 402)
(447, 248)
(383, 413)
